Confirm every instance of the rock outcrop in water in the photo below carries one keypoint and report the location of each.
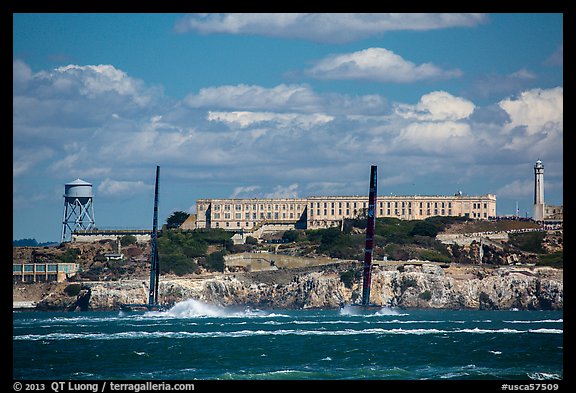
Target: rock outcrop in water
(417, 285)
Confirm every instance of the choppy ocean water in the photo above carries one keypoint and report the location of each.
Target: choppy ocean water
(204, 342)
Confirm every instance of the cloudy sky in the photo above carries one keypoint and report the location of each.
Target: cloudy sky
(280, 105)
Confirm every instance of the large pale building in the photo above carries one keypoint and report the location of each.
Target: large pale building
(326, 211)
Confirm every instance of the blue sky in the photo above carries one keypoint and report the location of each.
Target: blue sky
(292, 105)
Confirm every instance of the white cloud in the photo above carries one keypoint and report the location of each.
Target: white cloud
(122, 189)
(440, 138)
(67, 99)
(327, 27)
(556, 58)
(95, 80)
(25, 158)
(377, 64)
(244, 191)
(516, 189)
(247, 119)
(283, 98)
(497, 84)
(21, 72)
(250, 97)
(243, 137)
(538, 110)
(437, 105)
(290, 191)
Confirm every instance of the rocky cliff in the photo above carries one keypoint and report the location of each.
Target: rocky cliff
(416, 285)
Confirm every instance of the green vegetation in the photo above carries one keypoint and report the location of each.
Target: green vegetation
(215, 261)
(181, 252)
(72, 289)
(128, 240)
(555, 259)
(337, 244)
(529, 241)
(426, 295)
(69, 256)
(348, 276)
(394, 238)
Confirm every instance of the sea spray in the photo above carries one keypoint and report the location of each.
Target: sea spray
(192, 308)
(195, 308)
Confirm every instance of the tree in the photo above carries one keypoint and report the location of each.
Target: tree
(128, 240)
(424, 228)
(215, 261)
(176, 219)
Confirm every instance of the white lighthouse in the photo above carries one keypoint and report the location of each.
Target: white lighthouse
(538, 191)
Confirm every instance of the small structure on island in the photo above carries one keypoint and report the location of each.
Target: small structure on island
(542, 211)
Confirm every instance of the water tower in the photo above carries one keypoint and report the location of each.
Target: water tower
(78, 208)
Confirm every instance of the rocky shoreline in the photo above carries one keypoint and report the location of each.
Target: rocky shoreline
(404, 285)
